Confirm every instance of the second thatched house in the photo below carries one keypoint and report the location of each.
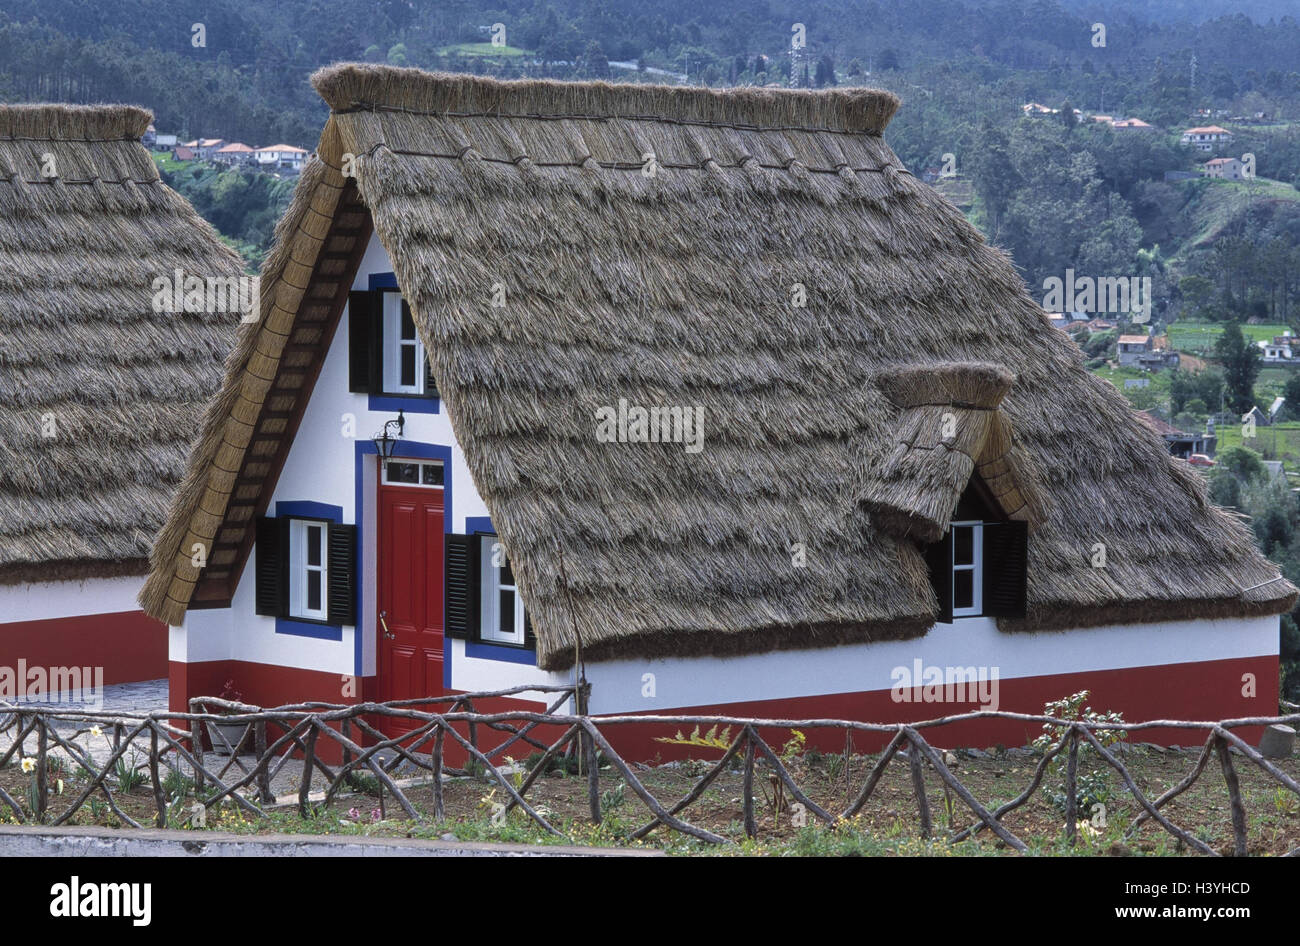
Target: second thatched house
(699, 390)
(103, 378)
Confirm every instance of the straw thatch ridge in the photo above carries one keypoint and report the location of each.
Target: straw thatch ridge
(365, 87)
(74, 122)
(99, 394)
(774, 273)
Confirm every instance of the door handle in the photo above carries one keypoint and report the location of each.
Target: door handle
(384, 624)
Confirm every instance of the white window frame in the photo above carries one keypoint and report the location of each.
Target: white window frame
(299, 569)
(393, 343)
(976, 568)
(421, 464)
(490, 588)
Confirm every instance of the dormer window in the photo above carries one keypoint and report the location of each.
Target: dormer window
(403, 366)
(386, 355)
(978, 568)
(967, 568)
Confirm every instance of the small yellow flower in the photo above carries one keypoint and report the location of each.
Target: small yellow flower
(96, 731)
(29, 764)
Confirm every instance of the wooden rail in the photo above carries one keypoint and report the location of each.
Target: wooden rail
(271, 739)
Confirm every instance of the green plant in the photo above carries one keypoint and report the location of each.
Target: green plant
(1093, 787)
(177, 785)
(1285, 801)
(613, 798)
(128, 776)
(794, 746)
(710, 740)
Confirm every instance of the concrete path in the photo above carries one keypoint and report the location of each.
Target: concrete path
(18, 841)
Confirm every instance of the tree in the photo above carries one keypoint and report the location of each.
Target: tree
(1243, 463)
(1067, 115)
(1241, 364)
(595, 63)
(825, 74)
(889, 59)
(1292, 394)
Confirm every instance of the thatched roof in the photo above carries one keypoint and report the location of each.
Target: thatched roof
(100, 396)
(677, 288)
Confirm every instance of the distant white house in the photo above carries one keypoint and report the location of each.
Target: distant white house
(235, 153)
(164, 142)
(1278, 351)
(1207, 137)
(280, 156)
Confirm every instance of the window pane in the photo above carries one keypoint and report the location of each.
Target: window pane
(408, 366)
(313, 591)
(507, 613)
(507, 576)
(313, 545)
(963, 589)
(432, 474)
(963, 545)
(408, 325)
(403, 472)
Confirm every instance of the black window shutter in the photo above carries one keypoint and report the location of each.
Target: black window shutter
(530, 640)
(460, 589)
(272, 579)
(341, 600)
(938, 556)
(365, 326)
(1006, 568)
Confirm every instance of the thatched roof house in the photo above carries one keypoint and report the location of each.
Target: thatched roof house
(100, 395)
(760, 255)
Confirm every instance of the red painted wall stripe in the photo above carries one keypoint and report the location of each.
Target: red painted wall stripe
(129, 645)
(1202, 691)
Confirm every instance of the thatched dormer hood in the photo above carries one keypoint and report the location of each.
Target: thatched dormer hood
(762, 256)
(949, 427)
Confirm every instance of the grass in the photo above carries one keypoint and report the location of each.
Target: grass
(1279, 442)
(1201, 336)
(482, 51)
(1220, 203)
(166, 162)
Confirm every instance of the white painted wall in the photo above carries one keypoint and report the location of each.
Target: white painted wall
(40, 601)
(616, 686)
(320, 468)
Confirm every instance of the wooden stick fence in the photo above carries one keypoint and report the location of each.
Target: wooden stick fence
(269, 738)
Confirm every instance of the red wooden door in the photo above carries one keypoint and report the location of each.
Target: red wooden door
(410, 595)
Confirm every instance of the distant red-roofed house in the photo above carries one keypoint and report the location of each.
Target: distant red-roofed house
(183, 153)
(235, 153)
(1207, 137)
(1132, 124)
(281, 156)
(1227, 168)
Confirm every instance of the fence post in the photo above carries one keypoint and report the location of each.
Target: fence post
(308, 756)
(159, 799)
(196, 737)
(747, 787)
(1239, 841)
(587, 750)
(1072, 789)
(918, 787)
(263, 763)
(42, 782)
(436, 763)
